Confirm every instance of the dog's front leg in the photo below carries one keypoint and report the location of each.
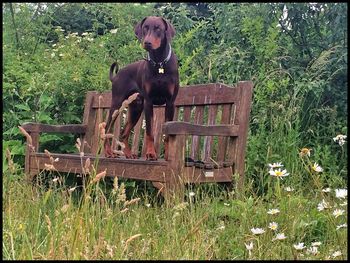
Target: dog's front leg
(150, 150)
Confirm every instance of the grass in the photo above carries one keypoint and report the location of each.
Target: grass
(58, 221)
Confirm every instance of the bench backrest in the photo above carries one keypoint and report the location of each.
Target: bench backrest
(198, 104)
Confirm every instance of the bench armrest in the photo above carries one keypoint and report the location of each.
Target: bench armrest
(186, 128)
(69, 128)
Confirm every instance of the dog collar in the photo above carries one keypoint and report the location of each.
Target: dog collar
(160, 65)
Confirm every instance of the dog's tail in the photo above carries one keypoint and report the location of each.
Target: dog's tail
(114, 65)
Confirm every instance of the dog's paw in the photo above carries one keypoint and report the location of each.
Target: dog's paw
(151, 156)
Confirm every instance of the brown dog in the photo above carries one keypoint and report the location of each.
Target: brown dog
(156, 79)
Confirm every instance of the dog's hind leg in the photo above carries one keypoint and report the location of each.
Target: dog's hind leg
(134, 112)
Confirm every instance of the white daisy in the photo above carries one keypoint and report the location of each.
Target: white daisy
(299, 246)
(336, 254)
(289, 189)
(340, 139)
(317, 168)
(273, 211)
(341, 193)
(341, 226)
(315, 244)
(257, 231)
(323, 205)
(312, 250)
(273, 226)
(338, 212)
(326, 190)
(275, 165)
(279, 236)
(249, 246)
(278, 173)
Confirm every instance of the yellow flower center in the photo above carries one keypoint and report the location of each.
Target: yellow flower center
(279, 173)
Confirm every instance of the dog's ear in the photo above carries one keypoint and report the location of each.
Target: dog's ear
(138, 29)
(169, 30)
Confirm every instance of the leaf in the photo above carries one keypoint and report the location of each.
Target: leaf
(22, 107)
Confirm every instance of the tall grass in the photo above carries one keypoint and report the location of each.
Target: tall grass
(58, 221)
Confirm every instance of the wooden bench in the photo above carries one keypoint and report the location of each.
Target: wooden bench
(207, 140)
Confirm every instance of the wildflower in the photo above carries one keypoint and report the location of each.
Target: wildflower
(340, 139)
(278, 173)
(338, 212)
(323, 205)
(336, 254)
(226, 204)
(312, 250)
(148, 205)
(135, 200)
(89, 39)
(273, 226)
(85, 34)
(273, 211)
(275, 165)
(341, 226)
(279, 236)
(114, 31)
(191, 194)
(249, 247)
(289, 189)
(315, 244)
(124, 210)
(305, 151)
(257, 231)
(317, 168)
(55, 179)
(49, 167)
(72, 189)
(299, 246)
(341, 193)
(326, 190)
(61, 55)
(99, 176)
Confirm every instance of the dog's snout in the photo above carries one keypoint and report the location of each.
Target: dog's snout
(147, 44)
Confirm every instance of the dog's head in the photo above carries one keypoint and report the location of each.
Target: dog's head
(152, 31)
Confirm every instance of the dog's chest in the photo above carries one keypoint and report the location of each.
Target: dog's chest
(159, 91)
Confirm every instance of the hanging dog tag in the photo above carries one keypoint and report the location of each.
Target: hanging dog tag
(161, 71)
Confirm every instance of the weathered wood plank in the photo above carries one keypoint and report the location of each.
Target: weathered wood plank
(198, 119)
(242, 119)
(222, 141)
(127, 168)
(89, 120)
(191, 95)
(185, 128)
(208, 145)
(68, 128)
(158, 120)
